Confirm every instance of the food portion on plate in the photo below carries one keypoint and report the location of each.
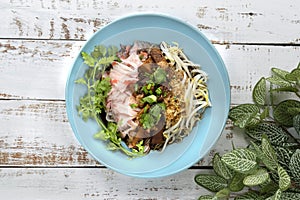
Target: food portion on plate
(144, 96)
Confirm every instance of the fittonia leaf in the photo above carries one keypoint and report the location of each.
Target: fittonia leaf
(295, 165)
(259, 92)
(221, 168)
(296, 123)
(211, 182)
(281, 113)
(284, 179)
(276, 134)
(279, 72)
(259, 177)
(240, 160)
(244, 115)
(269, 155)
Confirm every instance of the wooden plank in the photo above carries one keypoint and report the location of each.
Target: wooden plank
(38, 69)
(35, 69)
(238, 21)
(37, 133)
(73, 184)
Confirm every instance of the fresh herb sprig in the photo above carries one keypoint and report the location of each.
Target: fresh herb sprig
(92, 104)
(269, 168)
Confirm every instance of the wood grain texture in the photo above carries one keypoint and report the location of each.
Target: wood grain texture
(238, 21)
(37, 133)
(38, 69)
(40, 157)
(35, 69)
(94, 183)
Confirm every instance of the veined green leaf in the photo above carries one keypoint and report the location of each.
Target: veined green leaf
(211, 182)
(243, 114)
(269, 155)
(259, 92)
(284, 179)
(240, 160)
(253, 121)
(281, 114)
(220, 168)
(257, 150)
(277, 194)
(294, 75)
(296, 123)
(266, 154)
(283, 155)
(295, 165)
(249, 196)
(290, 196)
(279, 72)
(276, 80)
(275, 134)
(259, 177)
(236, 183)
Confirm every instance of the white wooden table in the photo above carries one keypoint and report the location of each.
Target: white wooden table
(39, 155)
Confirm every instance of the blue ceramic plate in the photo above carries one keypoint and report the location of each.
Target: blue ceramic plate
(155, 28)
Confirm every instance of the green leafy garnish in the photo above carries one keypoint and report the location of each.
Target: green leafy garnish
(269, 168)
(150, 99)
(159, 76)
(152, 117)
(158, 91)
(92, 104)
(133, 105)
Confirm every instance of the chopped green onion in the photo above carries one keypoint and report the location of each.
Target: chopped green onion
(158, 91)
(150, 99)
(144, 88)
(133, 105)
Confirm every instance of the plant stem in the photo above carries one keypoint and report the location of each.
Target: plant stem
(99, 122)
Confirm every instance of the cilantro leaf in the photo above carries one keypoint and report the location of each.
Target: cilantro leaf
(159, 76)
(102, 88)
(151, 118)
(99, 51)
(88, 59)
